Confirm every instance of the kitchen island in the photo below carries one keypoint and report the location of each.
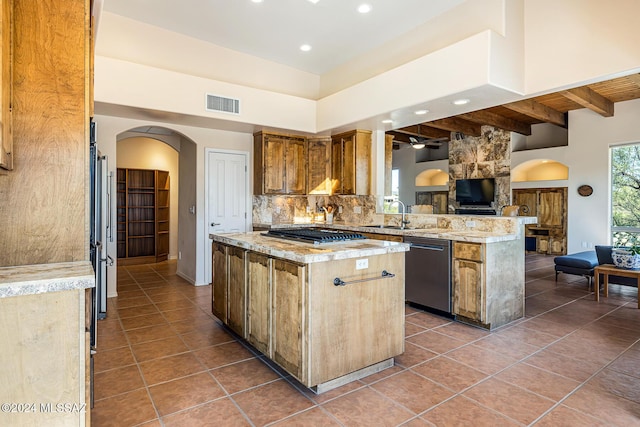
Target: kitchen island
(487, 260)
(328, 314)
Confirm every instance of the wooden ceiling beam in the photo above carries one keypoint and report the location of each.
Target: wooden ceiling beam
(590, 99)
(484, 117)
(424, 131)
(635, 79)
(454, 124)
(538, 111)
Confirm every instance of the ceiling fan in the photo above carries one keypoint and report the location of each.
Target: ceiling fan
(419, 142)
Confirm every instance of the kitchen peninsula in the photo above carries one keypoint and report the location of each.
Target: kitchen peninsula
(328, 314)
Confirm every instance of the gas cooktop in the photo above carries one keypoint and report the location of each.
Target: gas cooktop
(314, 235)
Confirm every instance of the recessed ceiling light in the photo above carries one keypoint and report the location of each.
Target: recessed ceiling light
(257, 1)
(421, 112)
(364, 8)
(387, 121)
(461, 101)
(314, 1)
(305, 47)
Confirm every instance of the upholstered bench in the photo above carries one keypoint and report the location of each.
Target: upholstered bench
(581, 263)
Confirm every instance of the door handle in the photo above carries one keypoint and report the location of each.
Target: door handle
(213, 224)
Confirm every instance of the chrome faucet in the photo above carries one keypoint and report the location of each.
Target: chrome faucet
(404, 221)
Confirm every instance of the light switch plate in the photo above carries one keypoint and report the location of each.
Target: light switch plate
(357, 209)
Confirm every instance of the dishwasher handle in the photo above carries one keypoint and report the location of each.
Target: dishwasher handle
(428, 247)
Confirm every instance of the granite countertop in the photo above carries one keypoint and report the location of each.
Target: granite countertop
(468, 235)
(43, 278)
(306, 253)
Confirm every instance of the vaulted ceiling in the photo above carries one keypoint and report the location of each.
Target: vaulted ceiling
(519, 116)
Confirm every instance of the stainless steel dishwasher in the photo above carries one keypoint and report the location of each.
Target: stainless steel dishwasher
(428, 273)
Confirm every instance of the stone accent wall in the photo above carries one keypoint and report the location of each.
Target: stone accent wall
(487, 156)
(293, 209)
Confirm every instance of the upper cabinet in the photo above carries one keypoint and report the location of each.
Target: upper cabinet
(351, 163)
(6, 135)
(279, 164)
(319, 166)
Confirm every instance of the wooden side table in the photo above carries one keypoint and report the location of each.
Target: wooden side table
(606, 270)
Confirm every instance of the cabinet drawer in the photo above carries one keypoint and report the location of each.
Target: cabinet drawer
(470, 251)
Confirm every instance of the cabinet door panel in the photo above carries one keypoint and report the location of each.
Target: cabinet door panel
(528, 198)
(237, 290)
(295, 167)
(219, 283)
(336, 166)
(349, 165)
(319, 167)
(259, 305)
(468, 289)
(288, 316)
(551, 208)
(274, 165)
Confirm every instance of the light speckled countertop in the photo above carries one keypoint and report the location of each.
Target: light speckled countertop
(306, 253)
(42, 278)
(468, 235)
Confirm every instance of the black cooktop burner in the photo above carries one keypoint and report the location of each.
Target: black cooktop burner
(314, 235)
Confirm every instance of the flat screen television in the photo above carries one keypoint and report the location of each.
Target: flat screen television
(480, 191)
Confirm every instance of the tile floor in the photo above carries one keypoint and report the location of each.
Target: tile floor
(164, 360)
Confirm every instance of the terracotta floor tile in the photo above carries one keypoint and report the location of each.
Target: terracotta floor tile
(366, 407)
(564, 416)
(483, 360)
(548, 327)
(315, 417)
(221, 413)
(449, 373)
(170, 368)
(280, 397)
(132, 293)
(160, 348)
(223, 354)
(243, 375)
(461, 411)
(436, 342)
(117, 381)
(213, 335)
(628, 363)
(143, 321)
(413, 355)
(617, 383)
(332, 394)
(539, 381)
(567, 366)
(150, 333)
(133, 302)
(127, 409)
(416, 422)
(111, 340)
(427, 320)
(181, 314)
(174, 304)
(109, 325)
(412, 391)
(137, 311)
(605, 406)
(167, 296)
(111, 359)
(514, 402)
(382, 374)
(507, 346)
(411, 329)
(462, 332)
(528, 336)
(183, 393)
(588, 349)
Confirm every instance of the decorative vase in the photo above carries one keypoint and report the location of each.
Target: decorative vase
(624, 258)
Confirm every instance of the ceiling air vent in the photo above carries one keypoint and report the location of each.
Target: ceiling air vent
(222, 104)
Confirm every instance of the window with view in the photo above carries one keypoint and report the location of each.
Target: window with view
(625, 195)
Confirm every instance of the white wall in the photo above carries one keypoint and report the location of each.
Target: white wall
(191, 268)
(148, 153)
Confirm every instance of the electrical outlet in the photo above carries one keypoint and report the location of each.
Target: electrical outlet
(357, 209)
(361, 264)
(180, 255)
(277, 209)
(470, 224)
(339, 209)
(584, 244)
(308, 209)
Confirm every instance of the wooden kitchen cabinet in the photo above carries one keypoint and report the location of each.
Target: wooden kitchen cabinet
(259, 302)
(351, 163)
(279, 164)
(468, 280)
(550, 206)
(288, 315)
(237, 314)
(6, 66)
(220, 291)
(319, 166)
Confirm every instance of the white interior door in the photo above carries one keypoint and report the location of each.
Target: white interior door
(226, 195)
